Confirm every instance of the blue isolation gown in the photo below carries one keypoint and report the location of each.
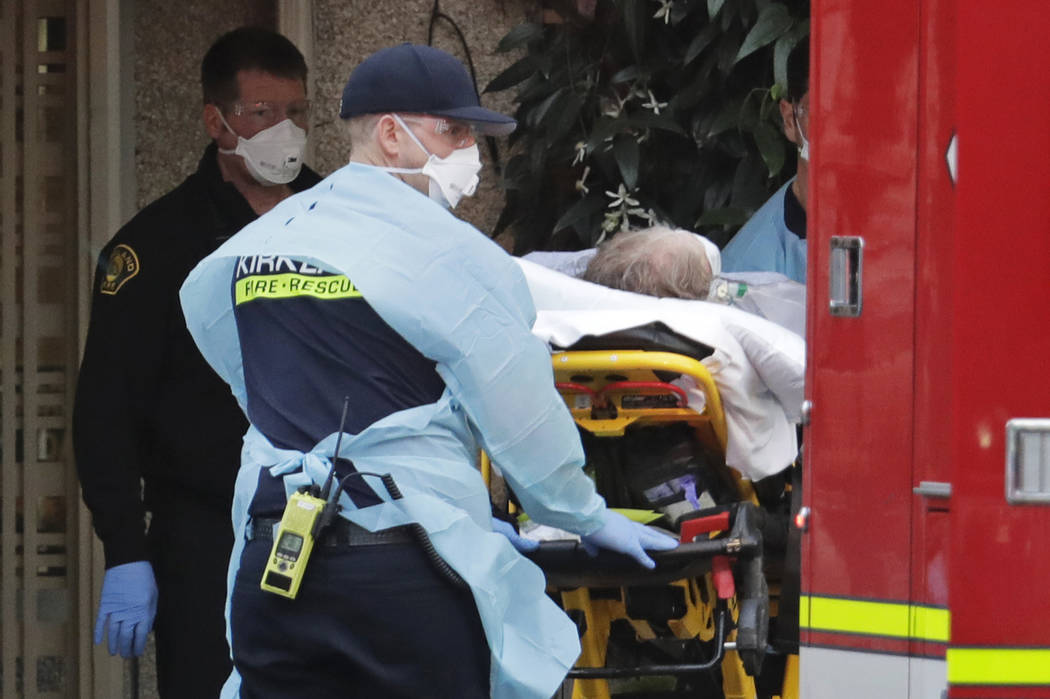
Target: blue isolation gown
(463, 303)
(766, 244)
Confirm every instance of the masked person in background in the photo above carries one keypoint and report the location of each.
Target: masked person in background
(366, 286)
(154, 428)
(774, 239)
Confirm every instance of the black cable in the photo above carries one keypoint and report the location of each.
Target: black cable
(417, 529)
(435, 15)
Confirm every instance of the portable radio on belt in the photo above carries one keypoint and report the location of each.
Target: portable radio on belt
(305, 517)
(293, 544)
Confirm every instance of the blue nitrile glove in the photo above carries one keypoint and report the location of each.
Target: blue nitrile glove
(519, 542)
(622, 535)
(128, 603)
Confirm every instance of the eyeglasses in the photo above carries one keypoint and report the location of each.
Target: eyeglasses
(264, 114)
(459, 133)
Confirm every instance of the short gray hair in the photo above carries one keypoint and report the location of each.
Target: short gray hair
(360, 129)
(657, 261)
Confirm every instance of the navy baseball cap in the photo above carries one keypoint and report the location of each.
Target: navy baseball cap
(418, 79)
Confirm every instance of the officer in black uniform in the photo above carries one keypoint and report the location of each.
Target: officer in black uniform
(154, 428)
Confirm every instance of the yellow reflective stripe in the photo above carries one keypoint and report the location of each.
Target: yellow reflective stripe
(999, 666)
(931, 623)
(871, 618)
(283, 286)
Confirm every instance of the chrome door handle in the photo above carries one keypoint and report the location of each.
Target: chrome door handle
(933, 489)
(847, 283)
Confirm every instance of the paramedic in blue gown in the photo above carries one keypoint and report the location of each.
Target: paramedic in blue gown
(774, 239)
(367, 286)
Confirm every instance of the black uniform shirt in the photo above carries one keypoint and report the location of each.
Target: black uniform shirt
(794, 214)
(147, 404)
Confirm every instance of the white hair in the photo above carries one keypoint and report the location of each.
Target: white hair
(657, 261)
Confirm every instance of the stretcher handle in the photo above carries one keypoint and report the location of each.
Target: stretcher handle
(569, 550)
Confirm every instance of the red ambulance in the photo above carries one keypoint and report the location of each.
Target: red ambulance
(926, 479)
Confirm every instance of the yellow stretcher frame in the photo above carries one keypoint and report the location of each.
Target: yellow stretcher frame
(602, 411)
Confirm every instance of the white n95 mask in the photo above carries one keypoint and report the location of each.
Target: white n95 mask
(274, 155)
(452, 177)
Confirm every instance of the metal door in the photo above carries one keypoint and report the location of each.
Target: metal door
(856, 586)
(1000, 567)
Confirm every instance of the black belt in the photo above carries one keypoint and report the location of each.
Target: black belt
(341, 532)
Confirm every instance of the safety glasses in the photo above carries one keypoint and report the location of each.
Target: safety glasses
(460, 134)
(265, 114)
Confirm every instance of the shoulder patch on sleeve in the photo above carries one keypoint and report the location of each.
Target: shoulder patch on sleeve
(123, 265)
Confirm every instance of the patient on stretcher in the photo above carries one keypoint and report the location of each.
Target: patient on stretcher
(687, 410)
(756, 366)
(676, 263)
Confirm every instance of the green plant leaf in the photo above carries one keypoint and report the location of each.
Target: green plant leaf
(782, 49)
(648, 120)
(626, 150)
(713, 7)
(725, 119)
(772, 22)
(604, 129)
(580, 210)
(516, 73)
(632, 72)
(635, 19)
(519, 35)
(679, 11)
(700, 42)
(537, 115)
(770, 145)
(564, 116)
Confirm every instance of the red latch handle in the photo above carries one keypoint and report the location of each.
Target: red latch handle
(702, 525)
(722, 576)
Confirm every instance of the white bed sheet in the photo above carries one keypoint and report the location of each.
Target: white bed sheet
(757, 365)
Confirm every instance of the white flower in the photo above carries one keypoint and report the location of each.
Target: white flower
(581, 184)
(653, 104)
(621, 197)
(611, 222)
(649, 215)
(664, 11)
(581, 152)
